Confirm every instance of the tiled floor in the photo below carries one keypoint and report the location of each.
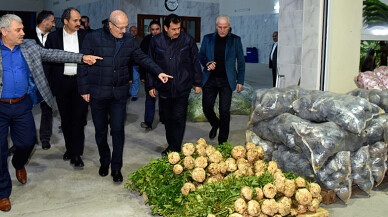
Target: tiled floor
(54, 188)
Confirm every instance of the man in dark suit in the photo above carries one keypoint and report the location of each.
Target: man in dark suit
(45, 23)
(72, 108)
(22, 85)
(149, 112)
(220, 51)
(273, 57)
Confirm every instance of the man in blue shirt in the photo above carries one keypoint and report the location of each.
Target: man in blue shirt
(22, 85)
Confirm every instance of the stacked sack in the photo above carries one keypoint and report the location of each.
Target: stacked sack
(334, 139)
(240, 104)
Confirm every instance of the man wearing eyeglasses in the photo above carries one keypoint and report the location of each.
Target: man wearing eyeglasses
(106, 86)
(220, 51)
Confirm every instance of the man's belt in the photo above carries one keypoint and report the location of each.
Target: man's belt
(12, 101)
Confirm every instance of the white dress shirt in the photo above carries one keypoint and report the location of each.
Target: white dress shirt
(70, 43)
(273, 50)
(42, 37)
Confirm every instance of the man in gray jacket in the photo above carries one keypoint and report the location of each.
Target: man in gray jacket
(22, 85)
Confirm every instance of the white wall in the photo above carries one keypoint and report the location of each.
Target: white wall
(247, 7)
(21, 5)
(54, 5)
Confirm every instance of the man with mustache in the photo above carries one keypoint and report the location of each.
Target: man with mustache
(72, 108)
(106, 86)
(177, 54)
(22, 85)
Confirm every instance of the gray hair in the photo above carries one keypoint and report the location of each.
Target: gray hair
(223, 17)
(6, 20)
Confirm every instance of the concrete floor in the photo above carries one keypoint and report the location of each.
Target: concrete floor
(55, 188)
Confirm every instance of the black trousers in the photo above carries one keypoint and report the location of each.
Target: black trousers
(73, 111)
(213, 87)
(112, 112)
(46, 122)
(174, 116)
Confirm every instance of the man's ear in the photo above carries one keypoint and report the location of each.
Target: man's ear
(165, 28)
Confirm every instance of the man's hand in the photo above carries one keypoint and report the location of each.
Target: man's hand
(197, 90)
(142, 80)
(152, 93)
(164, 78)
(211, 65)
(130, 82)
(239, 88)
(86, 97)
(90, 59)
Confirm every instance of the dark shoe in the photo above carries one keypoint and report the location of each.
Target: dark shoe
(164, 153)
(21, 176)
(46, 145)
(213, 132)
(5, 204)
(103, 171)
(66, 156)
(11, 150)
(134, 99)
(117, 176)
(146, 125)
(77, 161)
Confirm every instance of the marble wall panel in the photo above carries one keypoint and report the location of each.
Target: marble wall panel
(310, 78)
(291, 37)
(256, 31)
(291, 5)
(311, 38)
(96, 11)
(310, 58)
(290, 55)
(291, 19)
(291, 72)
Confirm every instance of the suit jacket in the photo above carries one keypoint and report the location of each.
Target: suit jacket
(274, 62)
(32, 35)
(233, 52)
(34, 55)
(55, 70)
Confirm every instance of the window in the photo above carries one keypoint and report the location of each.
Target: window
(191, 25)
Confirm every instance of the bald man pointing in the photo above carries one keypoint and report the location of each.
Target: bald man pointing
(106, 86)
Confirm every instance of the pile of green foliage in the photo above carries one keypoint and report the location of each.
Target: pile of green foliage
(163, 189)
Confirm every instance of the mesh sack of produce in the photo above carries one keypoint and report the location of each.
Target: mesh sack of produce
(242, 102)
(368, 80)
(361, 170)
(375, 96)
(269, 103)
(335, 175)
(266, 145)
(194, 110)
(349, 112)
(376, 130)
(289, 160)
(280, 129)
(378, 158)
(319, 141)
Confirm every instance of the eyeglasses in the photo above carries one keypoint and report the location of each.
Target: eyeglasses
(120, 28)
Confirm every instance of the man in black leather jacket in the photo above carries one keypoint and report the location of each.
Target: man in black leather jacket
(177, 54)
